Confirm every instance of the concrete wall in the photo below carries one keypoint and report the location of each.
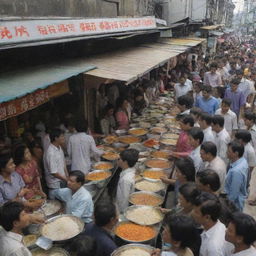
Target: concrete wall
(175, 10)
(76, 8)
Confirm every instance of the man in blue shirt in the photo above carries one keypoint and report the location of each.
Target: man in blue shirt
(105, 218)
(236, 179)
(78, 200)
(207, 102)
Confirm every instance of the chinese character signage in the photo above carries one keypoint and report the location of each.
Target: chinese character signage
(32, 100)
(37, 30)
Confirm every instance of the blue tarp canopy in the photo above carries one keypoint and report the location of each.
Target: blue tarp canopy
(16, 84)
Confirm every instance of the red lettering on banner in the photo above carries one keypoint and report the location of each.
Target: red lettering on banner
(71, 27)
(88, 27)
(20, 31)
(62, 28)
(5, 33)
(52, 29)
(42, 30)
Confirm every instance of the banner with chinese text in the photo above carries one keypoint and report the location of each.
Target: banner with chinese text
(30, 101)
(38, 30)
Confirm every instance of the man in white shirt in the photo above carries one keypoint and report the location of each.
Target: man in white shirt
(244, 85)
(205, 121)
(214, 162)
(241, 234)
(181, 88)
(206, 212)
(244, 137)
(212, 77)
(249, 121)
(14, 219)
(127, 161)
(54, 162)
(230, 118)
(196, 137)
(222, 137)
(80, 148)
(184, 103)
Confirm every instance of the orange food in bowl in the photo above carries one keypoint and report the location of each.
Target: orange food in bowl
(158, 130)
(138, 132)
(98, 176)
(103, 166)
(160, 154)
(151, 143)
(146, 199)
(134, 232)
(154, 174)
(111, 139)
(158, 163)
(110, 156)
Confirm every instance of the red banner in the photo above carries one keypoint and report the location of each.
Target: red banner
(32, 100)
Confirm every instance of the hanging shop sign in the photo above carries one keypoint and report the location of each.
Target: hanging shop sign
(20, 31)
(32, 100)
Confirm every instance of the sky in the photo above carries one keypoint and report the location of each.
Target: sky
(239, 5)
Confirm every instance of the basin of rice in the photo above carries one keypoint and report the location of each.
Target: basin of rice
(144, 215)
(62, 228)
(145, 185)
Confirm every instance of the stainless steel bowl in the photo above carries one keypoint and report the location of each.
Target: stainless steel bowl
(130, 241)
(103, 162)
(121, 249)
(121, 132)
(153, 170)
(147, 193)
(79, 222)
(147, 207)
(99, 183)
(49, 252)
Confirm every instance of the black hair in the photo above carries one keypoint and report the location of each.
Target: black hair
(187, 119)
(104, 211)
(209, 177)
(209, 205)
(228, 208)
(209, 147)
(244, 135)
(84, 245)
(9, 213)
(120, 101)
(186, 101)
(189, 191)
(19, 154)
(182, 229)
(186, 167)
(207, 88)
(130, 155)
(221, 91)
(245, 226)
(197, 134)
(206, 117)
(226, 101)
(81, 125)
(237, 147)
(235, 81)
(80, 177)
(250, 116)
(4, 159)
(107, 108)
(239, 72)
(218, 119)
(196, 111)
(213, 65)
(55, 133)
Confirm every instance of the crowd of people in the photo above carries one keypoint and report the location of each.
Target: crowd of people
(214, 160)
